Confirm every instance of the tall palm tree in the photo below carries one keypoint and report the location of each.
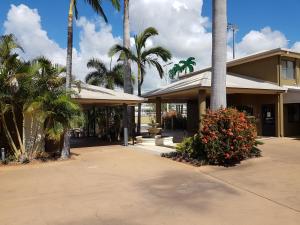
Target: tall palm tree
(102, 76)
(219, 52)
(128, 112)
(128, 87)
(143, 56)
(188, 65)
(96, 5)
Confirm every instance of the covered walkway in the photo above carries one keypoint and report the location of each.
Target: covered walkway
(104, 110)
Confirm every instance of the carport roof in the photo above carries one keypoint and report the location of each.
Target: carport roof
(90, 94)
(203, 81)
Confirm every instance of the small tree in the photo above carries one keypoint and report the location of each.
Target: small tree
(15, 82)
(188, 65)
(143, 57)
(51, 101)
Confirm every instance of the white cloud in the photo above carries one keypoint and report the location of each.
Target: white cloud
(25, 24)
(95, 39)
(296, 47)
(257, 41)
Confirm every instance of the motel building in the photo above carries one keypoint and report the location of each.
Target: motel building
(264, 85)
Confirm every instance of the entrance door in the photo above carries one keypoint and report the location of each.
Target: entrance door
(268, 120)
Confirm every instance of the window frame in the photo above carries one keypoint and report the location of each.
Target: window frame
(293, 108)
(284, 69)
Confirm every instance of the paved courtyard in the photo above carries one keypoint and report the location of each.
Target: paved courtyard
(118, 186)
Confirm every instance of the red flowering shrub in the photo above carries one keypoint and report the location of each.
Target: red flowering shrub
(227, 137)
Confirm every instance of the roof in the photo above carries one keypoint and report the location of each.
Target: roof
(292, 88)
(203, 80)
(252, 57)
(263, 54)
(90, 94)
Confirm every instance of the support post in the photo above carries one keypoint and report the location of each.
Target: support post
(125, 124)
(158, 111)
(201, 106)
(279, 116)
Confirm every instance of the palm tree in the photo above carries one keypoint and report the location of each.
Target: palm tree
(176, 70)
(128, 112)
(143, 57)
(128, 87)
(96, 5)
(188, 65)
(14, 92)
(51, 103)
(219, 52)
(101, 76)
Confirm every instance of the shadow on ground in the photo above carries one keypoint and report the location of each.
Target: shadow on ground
(194, 191)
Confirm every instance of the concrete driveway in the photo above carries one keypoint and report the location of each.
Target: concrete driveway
(117, 186)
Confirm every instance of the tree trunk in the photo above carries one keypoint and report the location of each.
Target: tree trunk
(219, 54)
(128, 88)
(21, 145)
(139, 110)
(69, 46)
(9, 137)
(65, 153)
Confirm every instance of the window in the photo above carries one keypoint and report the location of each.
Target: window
(288, 69)
(248, 110)
(293, 113)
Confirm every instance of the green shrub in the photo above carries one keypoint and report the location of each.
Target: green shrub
(192, 147)
(227, 137)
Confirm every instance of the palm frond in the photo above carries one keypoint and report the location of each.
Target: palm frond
(95, 78)
(116, 4)
(98, 65)
(142, 38)
(124, 53)
(160, 52)
(75, 9)
(96, 5)
(158, 67)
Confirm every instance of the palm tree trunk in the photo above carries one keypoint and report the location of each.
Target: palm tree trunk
(65, 153)
(219, 54)
(70, 46)
(9, 137)
(22, 148)
(128, 88)
(139, 105)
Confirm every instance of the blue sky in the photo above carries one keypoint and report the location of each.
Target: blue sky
(247, 14)
(184, 28)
